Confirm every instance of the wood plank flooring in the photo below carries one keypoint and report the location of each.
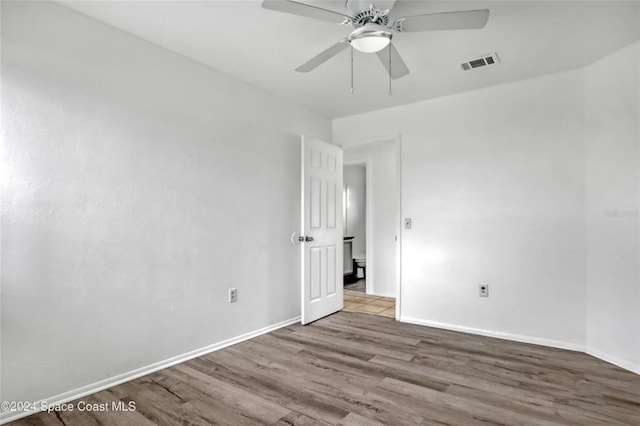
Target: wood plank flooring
(357, 369)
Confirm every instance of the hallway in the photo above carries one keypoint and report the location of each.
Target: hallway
(358, 301)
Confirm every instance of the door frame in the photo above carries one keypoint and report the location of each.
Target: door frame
(369, 229)
(397, 140)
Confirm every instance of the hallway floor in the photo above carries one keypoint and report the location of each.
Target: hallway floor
(358, 301)
(359, 285)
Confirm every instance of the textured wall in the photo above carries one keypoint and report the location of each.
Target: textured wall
(612, 145)
(494, 182)
(533, 188)
(137, 187)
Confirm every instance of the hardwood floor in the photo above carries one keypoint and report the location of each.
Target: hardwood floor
(356, 369)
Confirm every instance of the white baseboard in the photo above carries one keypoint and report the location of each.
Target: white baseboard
(528, 339)
(497, 334)
(613, 360)
(391, 295)
(143, 371)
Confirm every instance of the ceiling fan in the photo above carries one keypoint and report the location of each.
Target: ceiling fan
(373, 30)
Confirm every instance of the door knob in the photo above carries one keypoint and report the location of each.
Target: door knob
(305, 239)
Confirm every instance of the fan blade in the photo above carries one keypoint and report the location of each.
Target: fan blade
(323, 57)
(398, 67)
(463, 20)
(301, 9)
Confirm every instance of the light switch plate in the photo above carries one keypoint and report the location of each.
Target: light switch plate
(407, 223)
(484, 290)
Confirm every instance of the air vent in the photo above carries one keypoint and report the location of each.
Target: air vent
(482, 61)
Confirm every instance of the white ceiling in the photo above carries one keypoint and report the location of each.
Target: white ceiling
(263, 47)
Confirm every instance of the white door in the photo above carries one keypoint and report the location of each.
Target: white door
(321, 246)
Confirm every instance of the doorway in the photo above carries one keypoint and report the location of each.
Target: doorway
(355, 225)
(371, 225)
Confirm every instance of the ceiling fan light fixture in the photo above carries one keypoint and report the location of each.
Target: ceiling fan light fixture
(370, 44)
(370, 38)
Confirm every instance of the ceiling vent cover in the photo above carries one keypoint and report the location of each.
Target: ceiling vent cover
(481, 61)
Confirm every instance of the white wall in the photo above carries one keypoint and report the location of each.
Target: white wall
(612, 147)
(494, 182)
(137, 187)
(355, 179)
(534, 188)
(381, 258)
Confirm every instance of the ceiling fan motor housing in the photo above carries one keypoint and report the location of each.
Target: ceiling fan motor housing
(365, 12)
(370, 16)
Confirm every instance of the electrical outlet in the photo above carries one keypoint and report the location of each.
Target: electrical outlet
(407, 223)
(233, 295)
(484, 290)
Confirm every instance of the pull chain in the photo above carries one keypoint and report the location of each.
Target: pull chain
(390, 88)
(390, 92)
(352, 69)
